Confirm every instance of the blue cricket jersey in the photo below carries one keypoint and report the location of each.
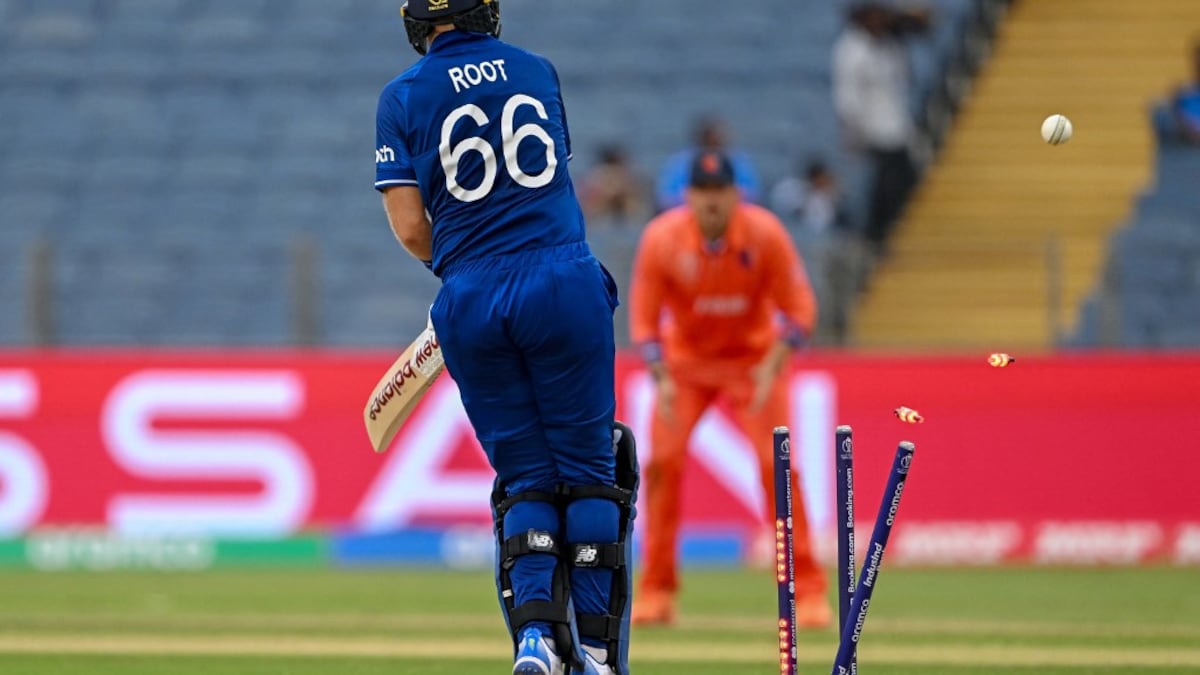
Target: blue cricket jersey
(478, 126)
(1189, 105)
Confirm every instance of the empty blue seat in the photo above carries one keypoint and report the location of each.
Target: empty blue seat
(223, 30)
(1142, 314)
(42, 66)
(147, 34)
(120, 65)
(307, 64)
(313, 31)
(341, 10)
(118, 175)
(48, 26)
(1179, 337)
(1177, 174)
(220, 171)
(30, 214)
(124, 12)
(1160, 272)
(266, 10)
(1185, 309)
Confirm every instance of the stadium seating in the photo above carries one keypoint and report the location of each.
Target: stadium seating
(173, 151)
(1149, 294)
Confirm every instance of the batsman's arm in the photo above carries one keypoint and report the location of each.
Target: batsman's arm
(396, 179)
(406, 215)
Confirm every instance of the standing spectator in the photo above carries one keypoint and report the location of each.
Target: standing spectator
(813, 204)
(1181, 121)
(720, 299)
(871, 85)
(612, 192)
(709, 135)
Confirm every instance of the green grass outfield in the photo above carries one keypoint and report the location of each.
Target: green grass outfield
(932, 622)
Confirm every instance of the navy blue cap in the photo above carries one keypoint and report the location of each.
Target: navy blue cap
(711, 169)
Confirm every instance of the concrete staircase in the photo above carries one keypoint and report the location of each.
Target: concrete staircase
(1007, 234)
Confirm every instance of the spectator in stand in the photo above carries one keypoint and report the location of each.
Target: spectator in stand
(709, 135)
(810, 200)
(612, 192)
(871, 88)
(1179, 119)
(812, 205)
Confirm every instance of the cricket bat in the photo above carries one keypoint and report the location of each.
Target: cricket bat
(401, 389)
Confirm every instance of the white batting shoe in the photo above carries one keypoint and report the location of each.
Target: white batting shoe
(535, 656)
(593, 666)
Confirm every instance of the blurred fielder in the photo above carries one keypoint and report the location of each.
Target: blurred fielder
(471, 159)
(720, 299)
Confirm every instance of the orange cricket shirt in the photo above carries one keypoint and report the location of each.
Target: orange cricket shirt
(721, 303)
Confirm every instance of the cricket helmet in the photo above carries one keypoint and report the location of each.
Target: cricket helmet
(475, 16)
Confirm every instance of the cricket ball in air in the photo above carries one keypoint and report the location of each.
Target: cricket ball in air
(1057, 129)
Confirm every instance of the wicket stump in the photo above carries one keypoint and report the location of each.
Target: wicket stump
(785, 563)
(843, 450)
(861, 602)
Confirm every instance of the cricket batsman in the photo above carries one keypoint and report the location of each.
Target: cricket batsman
(720, 299)
(471, 158)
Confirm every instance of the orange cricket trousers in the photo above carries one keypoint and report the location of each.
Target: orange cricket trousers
(663, 476)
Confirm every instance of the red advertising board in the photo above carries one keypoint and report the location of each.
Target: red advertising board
(1056, 459)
